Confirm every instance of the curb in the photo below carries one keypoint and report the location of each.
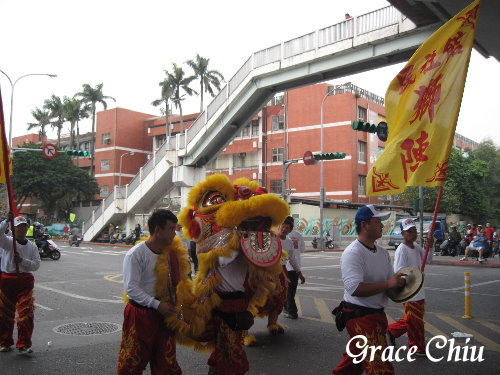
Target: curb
(466, 263)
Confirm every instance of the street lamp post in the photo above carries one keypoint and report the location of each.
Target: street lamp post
(121, 160)
(12, 85)
(329, 92)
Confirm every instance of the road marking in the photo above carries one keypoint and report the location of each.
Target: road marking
(114, 277)
(320, 267)
(324, 312)
(473, 285)
(43, 307)
(490, 345)
(460, 291)
(77, 296)
(489, 325)
(105, 252)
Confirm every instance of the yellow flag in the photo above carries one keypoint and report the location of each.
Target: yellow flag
(422, 106)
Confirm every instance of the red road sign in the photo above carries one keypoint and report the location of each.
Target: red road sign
(308, 158)
(49, 151)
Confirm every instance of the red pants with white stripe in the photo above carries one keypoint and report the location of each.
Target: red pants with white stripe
(374, 328)
(146, 339)
(16, 293)
(413, 323)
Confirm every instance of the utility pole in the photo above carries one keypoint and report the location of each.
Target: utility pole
(286, 165)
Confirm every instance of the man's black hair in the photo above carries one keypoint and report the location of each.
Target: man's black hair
(290, 221)
(159, 218)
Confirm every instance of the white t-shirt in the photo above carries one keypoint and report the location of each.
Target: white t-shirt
(293, 261)
(407, 257)
(358, 264)
(139, 278)
(298, 240)
(28, 252)
(233, 272)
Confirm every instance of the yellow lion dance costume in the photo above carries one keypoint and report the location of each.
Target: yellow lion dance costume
(239, 264)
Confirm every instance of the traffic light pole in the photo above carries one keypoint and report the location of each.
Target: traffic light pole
(286, 165)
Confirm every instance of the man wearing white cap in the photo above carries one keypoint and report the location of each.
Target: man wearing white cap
(367, 275)
(410, 254)
(17, 288)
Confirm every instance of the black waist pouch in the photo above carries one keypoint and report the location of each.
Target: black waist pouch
(340, 316)
(237, 321)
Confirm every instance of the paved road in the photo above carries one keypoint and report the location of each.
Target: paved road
(85, 287)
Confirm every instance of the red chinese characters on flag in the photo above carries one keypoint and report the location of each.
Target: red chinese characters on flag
(405, 78)
(382, 182)
(439, 172)
(470, 17)
(429, 63)
(414, 153)
(429, 96)
(453, 46)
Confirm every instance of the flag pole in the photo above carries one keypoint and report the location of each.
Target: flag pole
(6, 163)
(431, 229)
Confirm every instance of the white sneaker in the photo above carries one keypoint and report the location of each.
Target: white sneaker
(25, 350)
(481, 259)
(4, 349)
(464, 258)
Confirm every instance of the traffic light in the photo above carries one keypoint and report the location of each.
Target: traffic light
(329, 156)
(381, 129)
(77, 153)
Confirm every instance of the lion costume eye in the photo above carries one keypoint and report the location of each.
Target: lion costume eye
(213, 198)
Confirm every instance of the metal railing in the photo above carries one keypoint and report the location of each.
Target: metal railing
(240, 75)
(267, 56)
(217, 102)
(299, 45)
(377, 19)
(196, 127)
(336, 33)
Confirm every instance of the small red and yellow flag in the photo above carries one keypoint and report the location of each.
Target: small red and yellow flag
(5, 159)
(422, 107)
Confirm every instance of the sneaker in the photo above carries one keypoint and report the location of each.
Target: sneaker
(4, 349)
(291, 316)
(25, 350)
(391, 338)
(481, 260)
(464, 258)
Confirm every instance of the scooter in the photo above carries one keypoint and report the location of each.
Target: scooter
(131, 238)
(75, 239)
(47, 248)
(329, 244)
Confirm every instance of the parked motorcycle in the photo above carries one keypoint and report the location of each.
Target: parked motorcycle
(131, 238)
(451, 248)
(47, 248)
(118, 238)
(329, 244)
(75, 240)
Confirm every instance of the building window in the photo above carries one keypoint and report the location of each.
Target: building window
(278, 154)
(245, 132)
(362, 151)
(276, 186)
(255, 127)
(104, 191)
(361, 185)
(104, 165)
(106, 139)
(85, 146)
(160, 139)
(278, 122)
(362, 115)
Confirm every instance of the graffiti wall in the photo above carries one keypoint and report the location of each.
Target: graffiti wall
(347, 227)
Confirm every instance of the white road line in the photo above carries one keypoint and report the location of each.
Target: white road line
(473, 285)
(320, 267)
(43, 307)
(103, 252)
(77, 296)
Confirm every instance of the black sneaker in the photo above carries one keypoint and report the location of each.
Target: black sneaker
(25, 350)
(391, 338)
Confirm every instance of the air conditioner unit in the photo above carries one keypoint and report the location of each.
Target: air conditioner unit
(254, 144)
(107, 141)
(254, 175)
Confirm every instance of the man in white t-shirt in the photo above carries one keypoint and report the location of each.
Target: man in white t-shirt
(292, 265)
(410, 254)
(367, 275)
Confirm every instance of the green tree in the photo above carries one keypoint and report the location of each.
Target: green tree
(92, 97)
(56, 108)
(208, 78)
(42, 118)
(54, 182)
(75, 111)
(179, 82)
(167, 91)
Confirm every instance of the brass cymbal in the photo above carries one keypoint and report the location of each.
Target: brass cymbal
(414, 282)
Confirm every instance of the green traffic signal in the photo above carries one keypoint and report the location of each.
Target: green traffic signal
(77, 153)
(330, 156)
(364, 126)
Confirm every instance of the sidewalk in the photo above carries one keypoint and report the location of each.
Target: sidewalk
(437, 259)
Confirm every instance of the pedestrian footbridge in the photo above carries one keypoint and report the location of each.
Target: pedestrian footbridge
(369, 41)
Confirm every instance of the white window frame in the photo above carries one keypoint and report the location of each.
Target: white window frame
(277, 122)
(105, 167)
(277, 154)
(362, 151)
(361, 185)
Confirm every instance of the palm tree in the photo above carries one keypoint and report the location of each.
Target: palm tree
(167, 91)
(56, 108)
(91, 97)
(42, 118)
(208, 78)
(179, 82)
(74, 111)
